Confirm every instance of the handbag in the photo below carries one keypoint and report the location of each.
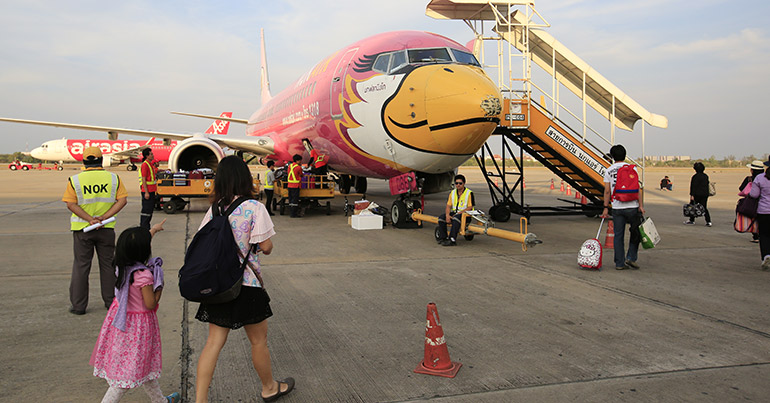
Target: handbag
(712, 188)
(744, 224)
(746, 190)
(747, 206)
(649, 233)
(693, 210)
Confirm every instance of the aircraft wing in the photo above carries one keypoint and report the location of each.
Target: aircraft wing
(135, 152)
(109, 130)
(260, 145)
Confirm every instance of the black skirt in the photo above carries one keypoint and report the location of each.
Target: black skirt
(251, 306)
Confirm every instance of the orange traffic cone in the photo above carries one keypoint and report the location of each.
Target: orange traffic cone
(583, 200)
(577, 195)
(562, 186)
(436, 360)
(552, 186)
(569, 190)
(609, 240)
(523, 183)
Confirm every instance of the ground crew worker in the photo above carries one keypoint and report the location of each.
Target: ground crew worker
(93, 195)
(318, 161)
(460, 200)
(269, 186)
(148, 186)
(294, 178)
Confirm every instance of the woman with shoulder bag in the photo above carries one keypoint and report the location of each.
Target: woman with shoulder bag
(760, 189)
(251, 226)
(756, 168)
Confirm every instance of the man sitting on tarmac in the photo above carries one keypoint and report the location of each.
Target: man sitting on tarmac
(460, 200)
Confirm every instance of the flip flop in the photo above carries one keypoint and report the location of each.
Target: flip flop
(173, 398)
(289, 382)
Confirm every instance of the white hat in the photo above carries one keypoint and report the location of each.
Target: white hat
(757, 165)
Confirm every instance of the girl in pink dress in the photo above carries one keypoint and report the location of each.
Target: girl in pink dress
(128, 352)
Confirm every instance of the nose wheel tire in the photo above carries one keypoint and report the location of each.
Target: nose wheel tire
(398, 214)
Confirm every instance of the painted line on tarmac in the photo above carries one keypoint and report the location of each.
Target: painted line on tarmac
(28, 206)
(641, 297)
(186, 351)
(591, 380)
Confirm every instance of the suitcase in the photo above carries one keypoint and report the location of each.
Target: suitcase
(196, 174)
(590, 254)
(180, 178)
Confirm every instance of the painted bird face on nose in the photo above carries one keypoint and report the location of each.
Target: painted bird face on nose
(446, 109)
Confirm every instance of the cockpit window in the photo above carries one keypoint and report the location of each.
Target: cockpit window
(393, 62)
(398, 60)
(429, 55)
(382, 62)
(465, 57)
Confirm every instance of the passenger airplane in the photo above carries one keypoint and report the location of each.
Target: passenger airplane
(392, 104)
(116, 151)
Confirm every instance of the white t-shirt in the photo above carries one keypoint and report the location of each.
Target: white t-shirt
(611, 176)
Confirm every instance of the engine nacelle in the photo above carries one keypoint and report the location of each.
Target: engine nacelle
(195, 153)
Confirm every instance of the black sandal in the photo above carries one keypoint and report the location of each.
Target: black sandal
(289, 382)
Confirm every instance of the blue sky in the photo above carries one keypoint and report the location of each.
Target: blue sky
(703, 64)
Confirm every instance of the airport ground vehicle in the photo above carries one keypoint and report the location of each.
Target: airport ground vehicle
(313, 189)
(172, 193)
(18, 165)
(26, 166)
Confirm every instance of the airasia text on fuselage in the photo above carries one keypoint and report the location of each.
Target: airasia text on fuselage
(76, 147)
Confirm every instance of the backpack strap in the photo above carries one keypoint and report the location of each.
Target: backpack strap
(218, 209)
(252, 249)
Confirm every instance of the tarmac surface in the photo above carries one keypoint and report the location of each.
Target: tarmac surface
(349, 306)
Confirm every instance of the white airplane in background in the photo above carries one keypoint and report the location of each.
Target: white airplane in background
(116, 151)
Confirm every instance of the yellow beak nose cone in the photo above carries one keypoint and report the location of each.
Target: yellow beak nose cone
(447, 109)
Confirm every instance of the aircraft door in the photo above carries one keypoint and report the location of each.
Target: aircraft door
(338, 83)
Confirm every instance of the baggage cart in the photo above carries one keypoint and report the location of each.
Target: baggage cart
(313, 190)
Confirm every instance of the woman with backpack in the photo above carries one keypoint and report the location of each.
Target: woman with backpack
(252, 230)
(699, 191)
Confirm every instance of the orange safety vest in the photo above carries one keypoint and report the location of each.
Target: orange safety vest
(320, 159)
(295, 175)
(151, 181)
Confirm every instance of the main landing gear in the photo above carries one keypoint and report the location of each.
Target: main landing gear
(346, 182)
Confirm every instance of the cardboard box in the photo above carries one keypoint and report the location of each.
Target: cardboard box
(361, 222)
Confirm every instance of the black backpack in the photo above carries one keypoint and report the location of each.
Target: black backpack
(212, 271)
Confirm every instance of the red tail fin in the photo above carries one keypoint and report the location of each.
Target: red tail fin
(220, 126)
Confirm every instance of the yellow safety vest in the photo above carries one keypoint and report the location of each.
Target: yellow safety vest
(96, 192)
(292, 177)
(269, 186)
(152, 174)
(462, 202)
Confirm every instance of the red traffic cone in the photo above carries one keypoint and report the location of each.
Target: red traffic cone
(583, 200)
(552, 186)
(569, 190)
(562, 186)
(577, 194)
(523, 183)
(436, 360)
(609, 240)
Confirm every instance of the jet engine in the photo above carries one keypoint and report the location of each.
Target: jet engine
(195, 153)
